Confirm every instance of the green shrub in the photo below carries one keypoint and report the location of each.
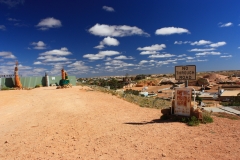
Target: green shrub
(130, 91)
(38, 85)
(199, 99)
(193, 121)
(114, 93)
(207, 117)
(5, 88)
(184, 120)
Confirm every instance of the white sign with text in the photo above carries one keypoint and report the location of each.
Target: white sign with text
(185, 72)
(183, 98)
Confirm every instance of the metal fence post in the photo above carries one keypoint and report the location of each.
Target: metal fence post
(186, 83)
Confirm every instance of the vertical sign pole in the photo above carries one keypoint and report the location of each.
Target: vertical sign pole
(186, 83)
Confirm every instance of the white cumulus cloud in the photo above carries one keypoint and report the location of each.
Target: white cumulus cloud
(47, 23)
(198, 60)
(56, 55)
(2, 27)
(116, 31)
(182, 55)
(229, 56)
(100, 55)
(39, 45)
(123, 57)
(108, 53)
(207, 53)
(7, 55)
(24, 67)
(39, 70)
(218, 44)
(190, 57)
(118, 63)
(108, 41)
(161, 56)
(109, 9)
(181, 42)
(159, 63)
(78, 65)
(148, 52)
(201, 50)
(201, 42)
(171, 30)
(155, 47)
(178, 42)
(143, 62)
(100, 46)
(227, 24)
(38, 62)
(53, 58)
(13, 19)
(62, 52)
(12, 3)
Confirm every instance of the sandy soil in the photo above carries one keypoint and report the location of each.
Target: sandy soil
(75, 123)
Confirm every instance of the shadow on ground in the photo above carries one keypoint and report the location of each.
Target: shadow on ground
(161, 120)
(166, 117)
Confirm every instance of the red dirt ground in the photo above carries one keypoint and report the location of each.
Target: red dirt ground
(75, 123)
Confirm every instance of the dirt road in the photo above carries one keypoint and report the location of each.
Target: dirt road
(75, 123)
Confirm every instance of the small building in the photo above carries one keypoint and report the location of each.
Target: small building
(229, 95)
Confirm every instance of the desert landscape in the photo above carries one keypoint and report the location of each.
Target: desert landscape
(81, 123)
(119, 80)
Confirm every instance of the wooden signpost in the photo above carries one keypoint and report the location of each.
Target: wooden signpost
(185, 72)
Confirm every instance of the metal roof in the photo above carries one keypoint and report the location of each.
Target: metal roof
(230, 93)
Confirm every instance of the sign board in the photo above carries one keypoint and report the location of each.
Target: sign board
(53, 78)
(185, 72)
(183, 98)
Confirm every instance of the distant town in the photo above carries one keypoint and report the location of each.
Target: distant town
(212, 87)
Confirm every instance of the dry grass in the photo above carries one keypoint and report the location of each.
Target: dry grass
(149, 102)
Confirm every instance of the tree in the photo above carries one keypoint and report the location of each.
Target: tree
(113, 83)
(140, 76)
(103, 82)
(199, 99)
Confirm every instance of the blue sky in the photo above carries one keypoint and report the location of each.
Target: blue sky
(92, 38)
